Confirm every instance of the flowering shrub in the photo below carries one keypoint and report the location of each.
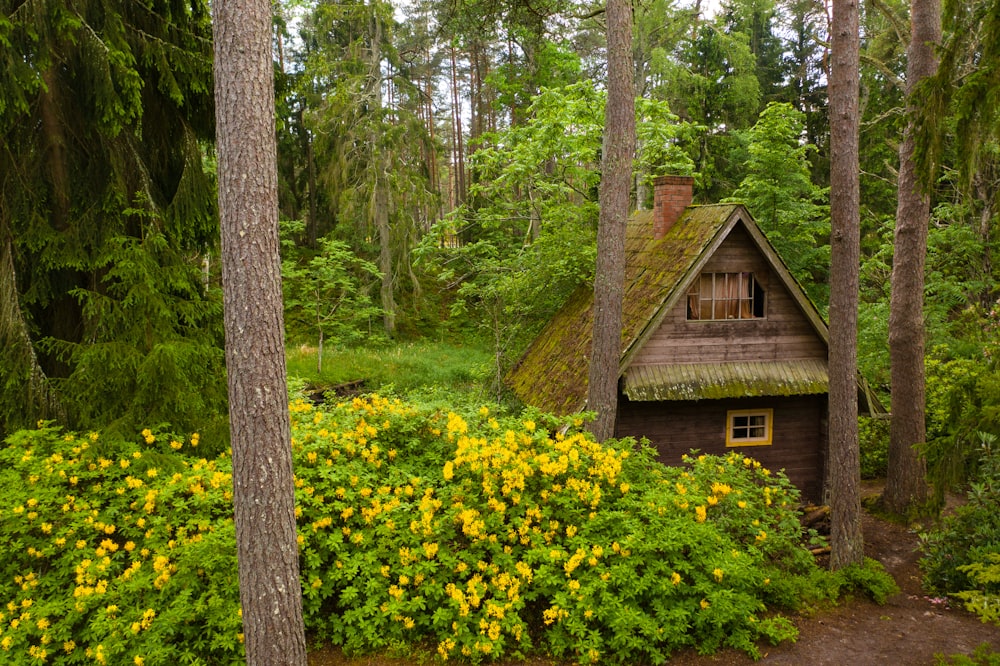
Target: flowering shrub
(492, 538)
(482, 536)
(116, 554)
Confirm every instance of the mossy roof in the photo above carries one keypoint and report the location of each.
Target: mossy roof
(552, 373)
(712, 381)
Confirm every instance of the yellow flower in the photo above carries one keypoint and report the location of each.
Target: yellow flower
(675, 578)
(718, 574)
(700, 515)
(704, 604)
(449, 471)
(138, 661)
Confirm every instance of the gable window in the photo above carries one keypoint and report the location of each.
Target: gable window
(721, 296)
(749, 427)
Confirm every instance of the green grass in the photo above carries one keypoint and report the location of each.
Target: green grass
(402, 367)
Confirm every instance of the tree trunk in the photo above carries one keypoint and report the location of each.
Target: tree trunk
(616, 176)
(457, 141)
(381, 214)
(906, 482)
(846, 541)
(263, 489)
(26, 391)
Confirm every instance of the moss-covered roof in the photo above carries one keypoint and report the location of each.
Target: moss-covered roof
(708, 381)
(552, 373)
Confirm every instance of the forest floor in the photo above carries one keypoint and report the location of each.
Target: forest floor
(911, 629)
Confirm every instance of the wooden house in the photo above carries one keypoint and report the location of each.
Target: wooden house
(721, 349)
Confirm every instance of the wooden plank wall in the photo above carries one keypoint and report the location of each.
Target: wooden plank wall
(783, 334)
(674, 428)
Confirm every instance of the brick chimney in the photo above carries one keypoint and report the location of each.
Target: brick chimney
(671, 195)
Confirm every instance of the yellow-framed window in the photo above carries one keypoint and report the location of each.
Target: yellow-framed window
(749, 427)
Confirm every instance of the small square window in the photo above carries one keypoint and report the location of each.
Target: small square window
(749, 427)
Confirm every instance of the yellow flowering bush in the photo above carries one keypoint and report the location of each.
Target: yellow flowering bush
(492, 536)
(487, 536)
(115, 553)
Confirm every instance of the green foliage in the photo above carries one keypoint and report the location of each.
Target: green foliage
(152, 349)
(868, 577)
(984, 601)
(982, 656)
(489, 536)
(402, 368)
(957, 554)
(107, 208)
(116, 551)
(325, 292)
(527, 238)
(779, 193)
(874, 437)
(483, 535)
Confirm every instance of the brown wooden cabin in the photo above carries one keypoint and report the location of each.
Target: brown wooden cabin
(721, 348)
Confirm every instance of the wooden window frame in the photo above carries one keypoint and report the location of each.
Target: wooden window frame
(725, 299)
(764, 440)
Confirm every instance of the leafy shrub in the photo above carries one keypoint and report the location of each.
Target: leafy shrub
(874, 436)
(868, 577)
(983, 656)
(968, 537)
(482, 536)
(116, 553)
(490, 538)
(985, 600)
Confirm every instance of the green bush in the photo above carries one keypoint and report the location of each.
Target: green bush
(957, 553)
(482, 536)
(116, 553)
(874, 436)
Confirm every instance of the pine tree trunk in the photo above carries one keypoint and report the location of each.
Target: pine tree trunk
(263, 488)
(616, 178)
(846, 540)
(457, 141)
(906, 483)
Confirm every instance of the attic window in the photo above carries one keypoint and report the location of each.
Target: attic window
(749, 427)
(722, 296)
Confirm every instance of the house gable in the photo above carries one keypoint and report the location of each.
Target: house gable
(784, 333)
(553, 373)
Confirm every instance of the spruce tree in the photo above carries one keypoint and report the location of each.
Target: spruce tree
(106, 213)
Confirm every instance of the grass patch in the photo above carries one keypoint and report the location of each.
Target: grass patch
(402, 367)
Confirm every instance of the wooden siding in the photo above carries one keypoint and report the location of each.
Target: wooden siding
(675, 428)
(783, 334)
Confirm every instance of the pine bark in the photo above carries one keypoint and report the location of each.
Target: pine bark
(263, 490)
(906, 483)
(846, 541)
(616, 177)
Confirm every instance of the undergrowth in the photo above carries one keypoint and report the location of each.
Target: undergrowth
(484, 536)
